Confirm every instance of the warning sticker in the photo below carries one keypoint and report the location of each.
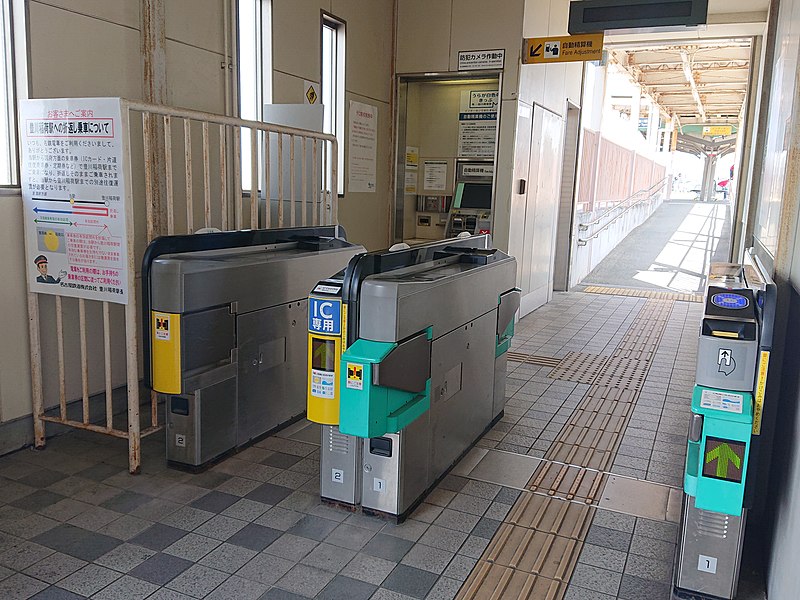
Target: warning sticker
(323, 383)
(725, 401)
(162, 327)
(355, 376)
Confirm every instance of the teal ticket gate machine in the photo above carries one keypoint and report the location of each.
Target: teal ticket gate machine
(727, 408)
(422, 374)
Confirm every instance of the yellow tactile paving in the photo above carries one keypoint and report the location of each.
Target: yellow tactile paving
(612, 291)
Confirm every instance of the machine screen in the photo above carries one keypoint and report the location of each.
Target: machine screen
(323, 354)
(724, 459)
(477, 195)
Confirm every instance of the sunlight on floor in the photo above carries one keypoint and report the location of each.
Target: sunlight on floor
(683, 263)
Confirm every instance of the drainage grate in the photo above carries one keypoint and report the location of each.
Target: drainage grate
(533, 359)
(579, 367)
(611, 291)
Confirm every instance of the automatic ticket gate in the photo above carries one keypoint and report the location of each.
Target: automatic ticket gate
(227, 343)
(422, 371)
(727, 408)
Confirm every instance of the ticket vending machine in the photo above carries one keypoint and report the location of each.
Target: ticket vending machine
(727, 408)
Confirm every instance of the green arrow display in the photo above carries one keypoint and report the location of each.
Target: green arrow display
(723, 455)
(54, 221)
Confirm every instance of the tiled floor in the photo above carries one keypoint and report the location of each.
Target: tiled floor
(74, 524)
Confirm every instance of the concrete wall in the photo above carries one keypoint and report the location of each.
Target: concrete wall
(93, 48)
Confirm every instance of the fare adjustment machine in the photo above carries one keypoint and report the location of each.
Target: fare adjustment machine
(422, 373)
(721, 431)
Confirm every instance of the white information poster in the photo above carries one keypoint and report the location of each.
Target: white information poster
(477, 123)
(412, 156)
(435, 175)
(73, 194)
(362, 157)
(411, 181)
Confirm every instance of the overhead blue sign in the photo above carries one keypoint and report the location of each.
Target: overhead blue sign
(730, 300)
(325, 316)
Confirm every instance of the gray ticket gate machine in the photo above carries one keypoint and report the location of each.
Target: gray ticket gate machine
(725, 432)
(227, 343)
(423, 374)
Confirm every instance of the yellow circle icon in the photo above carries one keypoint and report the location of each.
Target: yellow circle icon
(51, 240)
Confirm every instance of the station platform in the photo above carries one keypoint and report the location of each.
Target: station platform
(574, 494)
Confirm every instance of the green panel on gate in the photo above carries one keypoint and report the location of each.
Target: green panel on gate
(367, 410)
(716, 465)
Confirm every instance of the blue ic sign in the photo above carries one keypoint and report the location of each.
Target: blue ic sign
(325, 316)
(730, 300)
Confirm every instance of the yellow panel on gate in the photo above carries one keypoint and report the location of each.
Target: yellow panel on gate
(166, 356)
(324, 354)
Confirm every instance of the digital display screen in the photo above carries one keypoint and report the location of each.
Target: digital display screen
(730, 300)
(477, 195)
(323, 354)
(724, 459)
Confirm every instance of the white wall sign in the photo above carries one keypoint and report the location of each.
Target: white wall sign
(412, 156)
(362, 155)
(475, 60)
(477, 123)
(435, 175)
(411, 181)
(73, 196)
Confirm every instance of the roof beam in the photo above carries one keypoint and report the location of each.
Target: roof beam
(687, 71)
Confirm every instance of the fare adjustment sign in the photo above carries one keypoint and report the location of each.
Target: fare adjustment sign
(73, 194)
(571, 48)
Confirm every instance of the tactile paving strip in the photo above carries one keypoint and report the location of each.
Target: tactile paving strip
(534, 552)
(653, 294)
(533, 359)
(579, 367)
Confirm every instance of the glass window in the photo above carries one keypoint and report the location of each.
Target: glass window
(254, 35)
(333, 88)
(8, 137)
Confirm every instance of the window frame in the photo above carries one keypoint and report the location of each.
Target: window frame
(11, 37)
(339, 27)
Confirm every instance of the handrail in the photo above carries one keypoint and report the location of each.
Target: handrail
(648, 191)
(651, 191)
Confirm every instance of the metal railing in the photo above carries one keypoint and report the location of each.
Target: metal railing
(161, 147)
(616, 212)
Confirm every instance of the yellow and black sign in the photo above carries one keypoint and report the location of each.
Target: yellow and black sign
(311, 95)
(355, 373)
(761, 390)
(571, 48)
(166, 352)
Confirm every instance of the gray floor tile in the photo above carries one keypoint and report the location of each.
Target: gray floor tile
(238, 588)
(486, 528)
(246, 510)
(614, 520)
(160, 568)
(126, 588)
(220, 527)
(210, 479)
(100, 472)
(649, 568)
(228, 558)
(460, 567)
(350, 536)
(599, 580)
(427, 558)
(255, 537)
(192, 547)
(660, 530)
(575, 592)
(265, 569)
(470, 504)
(55, 567)
(197, 581)
(37, 500)
(345, 588)
(328, 557)
(126, 502)
(369, 568)
(215, 502)
(605, 558)
(388, 547)
(89, 580)
(473, 546)
(635, 588)
(187, 518)
(291, 547)
(410, 581)
(158, 537)
(279, 594)
(24, 554)
(452, 519)
(125, 557)
(279, 518)
(444, 589)
(315, 528)
(305, 580)
(77, 542)
(54, 593)
(608, 538)
(42, 478)
(652, 548)
(269, 494)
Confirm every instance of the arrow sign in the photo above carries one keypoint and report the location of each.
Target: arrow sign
(725, 361)
(536, 52)
(58, 221)
(724, 456)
